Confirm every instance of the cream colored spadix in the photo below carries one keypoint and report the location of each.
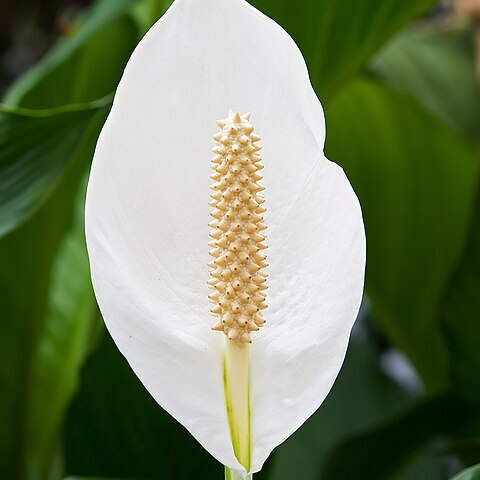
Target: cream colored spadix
(147, 218)
(238, 277)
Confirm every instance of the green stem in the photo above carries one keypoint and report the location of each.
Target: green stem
(236, 474)
(237, 399)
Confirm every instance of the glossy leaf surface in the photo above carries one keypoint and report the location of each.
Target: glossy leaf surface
(472, 473)
(85, 65)
(338, 37)
(417, 194)
(437, 69)
(37, 147)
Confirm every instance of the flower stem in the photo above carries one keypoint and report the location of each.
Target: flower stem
(236, 474)
(237, 398)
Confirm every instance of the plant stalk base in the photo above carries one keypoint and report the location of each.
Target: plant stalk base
(237, 398)
(236, 475)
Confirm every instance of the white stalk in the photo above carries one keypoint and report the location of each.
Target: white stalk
(237, 399)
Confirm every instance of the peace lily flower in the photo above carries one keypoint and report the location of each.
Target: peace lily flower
(244, 386)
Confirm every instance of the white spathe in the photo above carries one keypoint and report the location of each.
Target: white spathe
(147, 213)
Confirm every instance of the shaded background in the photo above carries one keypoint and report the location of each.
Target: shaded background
(399, 83)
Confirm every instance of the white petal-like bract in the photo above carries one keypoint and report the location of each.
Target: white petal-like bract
(147, 218)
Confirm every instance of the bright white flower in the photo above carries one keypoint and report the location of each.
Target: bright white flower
(148, 214)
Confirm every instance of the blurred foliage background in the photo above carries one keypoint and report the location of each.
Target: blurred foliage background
(399, 83)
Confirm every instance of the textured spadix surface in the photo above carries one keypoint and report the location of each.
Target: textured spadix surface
(238, 277)
(148, 214)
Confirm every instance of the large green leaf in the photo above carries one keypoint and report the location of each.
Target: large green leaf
(437, 68)
(460, 314)
(472, 473)
(337, 37)
(416, 181)
(115, 428)
(27, 255)
(44, 286)
(96, 478)
(404, 437)
(428, 464)
(37, 147)
(44, 156)
(65, 338)
(85, 65)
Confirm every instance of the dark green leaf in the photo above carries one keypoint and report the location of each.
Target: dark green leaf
(97, 478)
(115, 428)
(29, 315)
(337, 37)
(472, 473)
(403, 436)
(36, 149)
(428, 464)
(461, 311)
(437, 68)
(85, 65)
(416, 181)
(45, 290)
(66, 337)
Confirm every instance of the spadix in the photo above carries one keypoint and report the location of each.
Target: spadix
(238, 261)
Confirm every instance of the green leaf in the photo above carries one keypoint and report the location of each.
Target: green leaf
(147, 12)
(404, 437)
(37, 147)
(97, 478)
(67, 335)
(44, 285)
(428, 464)
(437, 68)
(362, 397)
(472, 473)
(85, 65)
(416, 181)
(31, 320)
(115, 429)
(337, 37)
(460, 314)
